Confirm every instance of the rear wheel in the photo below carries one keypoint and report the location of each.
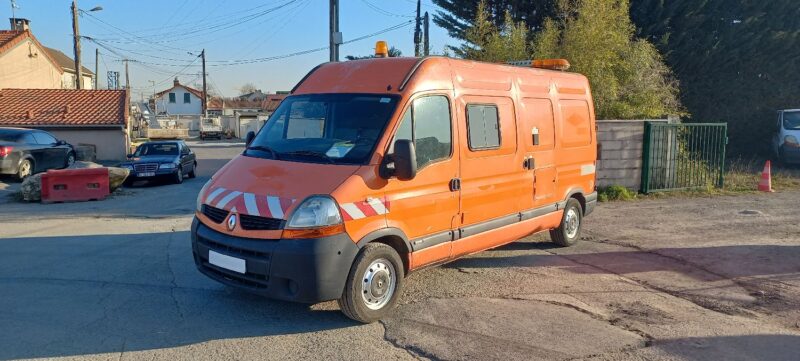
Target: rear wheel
(568, 233)
(70, 160)
(25, 169)
(374, 283)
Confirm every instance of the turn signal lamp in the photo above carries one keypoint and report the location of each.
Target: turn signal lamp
(552, 64)
(381, 49)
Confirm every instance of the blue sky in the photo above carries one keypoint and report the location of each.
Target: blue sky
(157, 35)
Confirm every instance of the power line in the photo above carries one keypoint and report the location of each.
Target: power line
(383, 11)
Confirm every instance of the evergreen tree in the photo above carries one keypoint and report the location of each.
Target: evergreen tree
(457, 16)
(737, 60)
(488, 42)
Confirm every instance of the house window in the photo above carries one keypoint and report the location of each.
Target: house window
(187, 98)
(172, 97)
(483, 127)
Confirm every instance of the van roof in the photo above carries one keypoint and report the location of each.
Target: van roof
(436, 72)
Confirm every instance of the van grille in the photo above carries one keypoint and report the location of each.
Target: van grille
(256, 223)
(215, 214)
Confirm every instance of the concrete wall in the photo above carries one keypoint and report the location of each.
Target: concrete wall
(111, 144)
(620, 158)
(194, 106)
(27, 66)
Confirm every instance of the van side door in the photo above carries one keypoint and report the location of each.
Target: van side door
(426, 206)
(536, 116)
(493, 181)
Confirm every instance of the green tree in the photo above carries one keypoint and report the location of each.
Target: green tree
(486, 41)
(628, 76)
(737, 60)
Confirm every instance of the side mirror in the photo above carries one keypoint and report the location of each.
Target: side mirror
(249, 137)
(405, 160)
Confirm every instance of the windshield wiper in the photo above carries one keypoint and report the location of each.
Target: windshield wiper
(264, 148)
(311, 153)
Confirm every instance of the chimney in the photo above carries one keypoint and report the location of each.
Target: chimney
(176, 82)
(20, 24)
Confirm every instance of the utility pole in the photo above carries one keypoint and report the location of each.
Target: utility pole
(335, 35)
(427, 40)
(417, 36)
(76, 40)
(155, 103)
(96, 67)
(205, 87)
(127, 80)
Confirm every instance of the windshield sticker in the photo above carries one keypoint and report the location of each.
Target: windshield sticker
(339, 149)
(385, 100)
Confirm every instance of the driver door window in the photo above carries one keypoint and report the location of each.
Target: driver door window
(427, 123)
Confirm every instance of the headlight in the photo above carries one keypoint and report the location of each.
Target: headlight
(201, 196)
(317, 211)
(791, 140)
(128, 166)
(166, 166)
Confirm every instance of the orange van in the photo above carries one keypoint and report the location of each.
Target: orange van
(372, 169)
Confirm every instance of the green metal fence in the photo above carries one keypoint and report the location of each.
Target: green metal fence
(683, 156)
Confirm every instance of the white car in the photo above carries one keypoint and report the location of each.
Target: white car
(786, 142)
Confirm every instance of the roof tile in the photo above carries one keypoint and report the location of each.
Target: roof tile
(62, 107)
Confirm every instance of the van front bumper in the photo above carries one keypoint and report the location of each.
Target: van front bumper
(298, 270)
(790, 154)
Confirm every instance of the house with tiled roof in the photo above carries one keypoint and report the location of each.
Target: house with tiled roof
(24, 62)
(67, 65)
(81, 117)
(179, 100)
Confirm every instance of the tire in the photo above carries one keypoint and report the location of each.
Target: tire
(569, 231)
(193, 172)
(25, 170)
(70, 160)
(376, 272)
(179, 176)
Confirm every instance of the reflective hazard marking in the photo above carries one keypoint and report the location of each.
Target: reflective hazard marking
(352, 211)
(214, 194)
(228, 198)
(249, 203)
(274, 204)
(368, 208)
(587, 169)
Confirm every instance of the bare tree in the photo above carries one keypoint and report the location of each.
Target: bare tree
(247, 88)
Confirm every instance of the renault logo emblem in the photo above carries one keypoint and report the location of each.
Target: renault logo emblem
(231, 222)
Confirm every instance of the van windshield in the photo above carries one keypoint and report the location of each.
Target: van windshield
(324, 128)
(791, 120)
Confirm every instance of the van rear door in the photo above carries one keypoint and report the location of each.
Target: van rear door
(536, 114)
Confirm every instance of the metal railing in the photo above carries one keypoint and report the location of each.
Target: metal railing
(683, 156)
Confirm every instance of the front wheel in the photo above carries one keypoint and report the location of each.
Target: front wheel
(374, 284)
(179, 176)
(568, 233)
(193, 172)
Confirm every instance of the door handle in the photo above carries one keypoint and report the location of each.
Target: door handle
(529, 163)
(455, 184)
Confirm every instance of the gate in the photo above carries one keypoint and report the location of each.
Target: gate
(683, 156)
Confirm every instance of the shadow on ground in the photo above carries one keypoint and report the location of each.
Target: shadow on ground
(69, 296)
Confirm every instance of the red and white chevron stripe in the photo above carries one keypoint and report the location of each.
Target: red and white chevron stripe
(370, 207)
(249, 203)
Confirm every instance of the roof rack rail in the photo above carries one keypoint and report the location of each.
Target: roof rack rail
(552, 64)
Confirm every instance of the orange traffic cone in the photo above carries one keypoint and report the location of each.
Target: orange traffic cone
(766, 179)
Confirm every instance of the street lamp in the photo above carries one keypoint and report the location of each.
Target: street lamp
(76, 41)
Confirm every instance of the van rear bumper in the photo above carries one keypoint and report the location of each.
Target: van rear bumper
(298, 270)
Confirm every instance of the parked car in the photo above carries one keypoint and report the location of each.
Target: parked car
(24, 152)
(352, 183)
(210, 128)
(786, 142)
(171, 160)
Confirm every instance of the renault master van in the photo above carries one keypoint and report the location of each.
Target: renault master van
(785, 142)
(372, 169)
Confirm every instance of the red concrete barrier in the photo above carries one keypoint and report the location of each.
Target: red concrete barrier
(70, 185)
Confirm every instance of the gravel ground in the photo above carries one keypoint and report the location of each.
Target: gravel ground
(667, 279)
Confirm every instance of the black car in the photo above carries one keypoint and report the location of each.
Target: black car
(28, 151)
(158, 160)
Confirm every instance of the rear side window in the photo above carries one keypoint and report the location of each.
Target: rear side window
(27, 138)
(483, 126)
(427, 123)
(575, 125)
(44, 138)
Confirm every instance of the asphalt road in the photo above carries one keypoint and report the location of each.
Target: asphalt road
(672, 279)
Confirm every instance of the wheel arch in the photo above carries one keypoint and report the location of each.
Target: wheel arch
(392, 237)
(579, 195)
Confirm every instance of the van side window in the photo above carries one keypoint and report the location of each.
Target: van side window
(428, 124)
(483, 126)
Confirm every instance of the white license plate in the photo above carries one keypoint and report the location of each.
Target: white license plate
(227, 262)
(148, 174)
